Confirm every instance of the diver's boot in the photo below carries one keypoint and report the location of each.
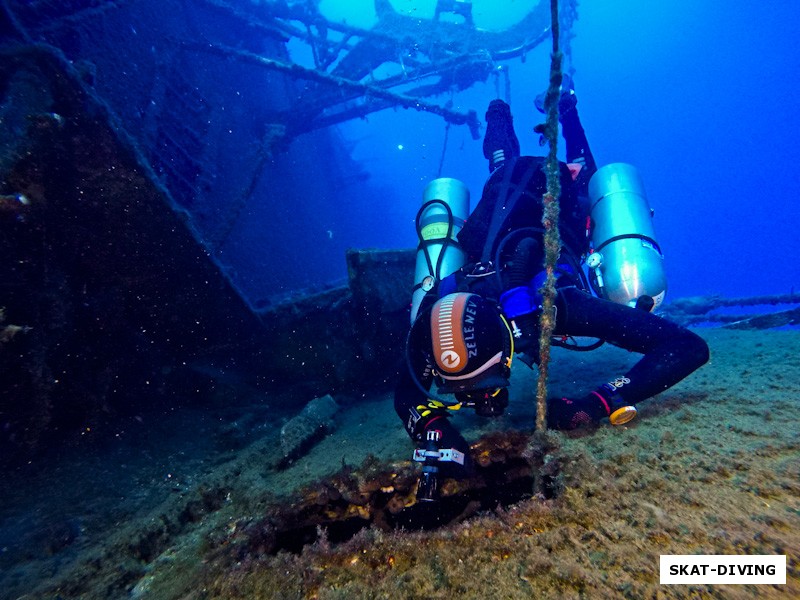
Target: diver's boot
(501, 143)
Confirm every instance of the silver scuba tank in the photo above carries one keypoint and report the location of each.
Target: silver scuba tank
(445, 207)
(627, 261)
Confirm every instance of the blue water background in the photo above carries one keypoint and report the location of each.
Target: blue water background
(702, 97)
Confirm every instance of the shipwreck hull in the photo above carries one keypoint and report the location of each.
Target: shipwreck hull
(113, 307)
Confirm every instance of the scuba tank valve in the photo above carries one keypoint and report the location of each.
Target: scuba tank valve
(630, 265)
(445, 207)
(594, 261)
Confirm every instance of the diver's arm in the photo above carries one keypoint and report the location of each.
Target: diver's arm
(571, 128)
(409, 402)
(421, 415)
(414, 379)
(578, 150)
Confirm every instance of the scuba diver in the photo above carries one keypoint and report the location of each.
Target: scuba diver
(467, 326)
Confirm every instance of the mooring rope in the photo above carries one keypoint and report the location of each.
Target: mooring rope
(552, 239)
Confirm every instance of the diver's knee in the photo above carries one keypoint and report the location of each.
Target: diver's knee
(697, 348)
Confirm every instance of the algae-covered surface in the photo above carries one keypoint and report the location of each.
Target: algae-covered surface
(711, 466)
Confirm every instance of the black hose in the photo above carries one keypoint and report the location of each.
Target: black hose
(448, 240)
(426, 392)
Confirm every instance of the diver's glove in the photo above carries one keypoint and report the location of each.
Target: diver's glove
(566, 103)
(572, 413)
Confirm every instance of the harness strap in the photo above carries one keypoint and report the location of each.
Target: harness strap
(628, 236)
(500, 214)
